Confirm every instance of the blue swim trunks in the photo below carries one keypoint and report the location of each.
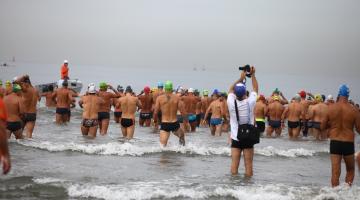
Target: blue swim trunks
(215, 121)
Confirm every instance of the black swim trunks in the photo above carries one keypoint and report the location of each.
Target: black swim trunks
(170, 126)
(29, 117)
(293, 124)
(117, 114)
(260, 126)
(90, 122)
(145, 116)
(316, 125)
(242, 144)
(126, 123)
(342, 148)
(63, 111)
(103, 115)
(13, 126)
(275, 124)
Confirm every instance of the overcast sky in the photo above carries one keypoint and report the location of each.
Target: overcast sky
(293, 36)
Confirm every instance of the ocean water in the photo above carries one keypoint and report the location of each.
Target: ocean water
(58, 163)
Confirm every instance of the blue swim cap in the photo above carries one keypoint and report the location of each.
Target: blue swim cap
(240, 90)
(160, 85)
(216, 92)
(344, 91)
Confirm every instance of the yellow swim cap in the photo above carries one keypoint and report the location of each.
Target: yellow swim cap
(318, 98)
(276, 98)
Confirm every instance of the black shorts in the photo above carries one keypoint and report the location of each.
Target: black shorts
(342, 148)
(126, 123)
(145, 116)
(103, 115)
(170, 126)
(260, 126)
(29, 117)
(242, 144)
(63, 111)
(13, 126)
(117, 114)
(315, 125)
(293, 124)
(275, 124)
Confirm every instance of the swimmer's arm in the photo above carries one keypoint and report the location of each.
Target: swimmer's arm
(138, 103)
(284, 100)
(156, 110)
(357, 123)
(117, 94)
(207, 111)
(254, 80)
(242, 78)
(81, 103)
(285, 114)
(311, 95)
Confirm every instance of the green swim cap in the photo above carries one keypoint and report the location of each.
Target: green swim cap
(16, 88)
(103, 86)
(168, 86)
(206, 92)
(1, 82)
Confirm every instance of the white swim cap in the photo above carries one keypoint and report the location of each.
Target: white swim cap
(191, 90)
(91, 84)
(92, 89)
(330, 97)
(66, 61)
(59, 84)
(15, 79)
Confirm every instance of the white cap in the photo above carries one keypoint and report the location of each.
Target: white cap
(66, 61)
(191, 90)
(91, 84)
(330, 97)
(59, 83)
(15, 78)
(92, 89)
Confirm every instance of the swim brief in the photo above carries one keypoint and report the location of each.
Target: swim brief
(275, 124)
(117, 114)
(170, 126)
(342, 148)
(215, 121)
(29, 117)
(62, 111)
(103, 115)
(293, 124)
(260, 126)
(192, 118)
(13, 126)
(90, 122)
(145, 116)
(126, 123)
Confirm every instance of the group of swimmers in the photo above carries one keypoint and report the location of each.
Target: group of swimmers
(176, 111)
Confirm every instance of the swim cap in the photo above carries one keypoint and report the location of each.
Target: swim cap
(215, 92)
(168, 86)
(277, 91)
(7, 83)
(276, 98)
(318, 98)
(302, 94)
(60, 83)
(297, 97)
(65, 83)
(146, 90)
(65, 61)
(103, 86)
(323, 97)
(1, 82)
(206, 92)
(330, 97)
(16, 88)
(261, 97)
(240, 90)
(92, 89)
(128, 89)
(91, 84)
(191, 90)
(344, 91)
(160, 85)
(120, 88)
(15, 79)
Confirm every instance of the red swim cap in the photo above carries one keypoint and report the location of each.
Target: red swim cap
(147, 90)
(302, 94)
(262, 97)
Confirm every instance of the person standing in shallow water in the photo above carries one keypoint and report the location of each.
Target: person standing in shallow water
(4, 150)
(342, 119)
(246, 107)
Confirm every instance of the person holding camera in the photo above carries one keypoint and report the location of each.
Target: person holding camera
(241, 108)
